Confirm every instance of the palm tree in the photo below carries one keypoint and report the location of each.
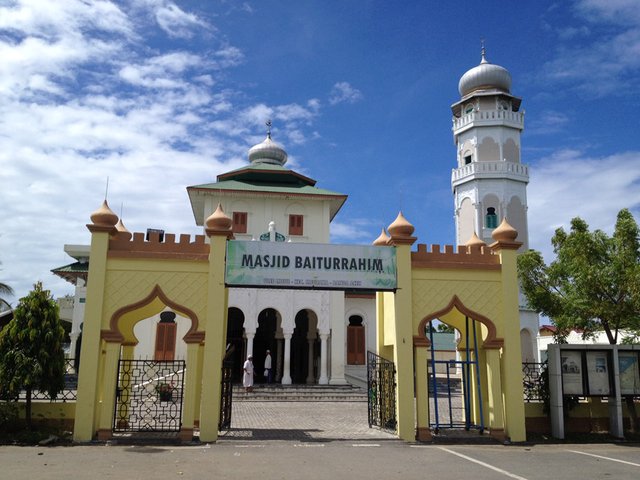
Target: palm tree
(5, 290)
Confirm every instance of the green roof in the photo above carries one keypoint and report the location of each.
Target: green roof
(263, 178)
(72, 271)
(262, 187)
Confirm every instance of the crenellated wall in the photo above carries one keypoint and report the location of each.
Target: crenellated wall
(122, 245)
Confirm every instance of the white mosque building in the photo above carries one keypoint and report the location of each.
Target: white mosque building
(321, 337)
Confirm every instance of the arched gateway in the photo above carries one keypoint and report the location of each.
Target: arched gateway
(133, 279)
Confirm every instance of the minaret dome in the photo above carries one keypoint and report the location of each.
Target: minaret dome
(485, 76)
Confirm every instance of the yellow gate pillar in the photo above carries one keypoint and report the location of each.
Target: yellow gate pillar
(495, 405)
(400, 236)
(506, 246)
(109, 385)
(423, 432)
(192, 375)
(219, 230)
(103, 226)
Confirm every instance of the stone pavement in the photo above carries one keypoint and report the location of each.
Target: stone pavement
(302, 422)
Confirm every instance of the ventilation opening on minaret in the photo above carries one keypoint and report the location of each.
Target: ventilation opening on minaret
(467, 160)
(491, 219)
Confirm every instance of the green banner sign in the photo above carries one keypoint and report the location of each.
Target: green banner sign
(310, 265)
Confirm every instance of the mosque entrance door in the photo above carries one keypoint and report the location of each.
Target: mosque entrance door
(264, 340)
(235, 354)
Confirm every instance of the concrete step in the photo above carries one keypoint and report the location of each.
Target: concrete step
(300, 393)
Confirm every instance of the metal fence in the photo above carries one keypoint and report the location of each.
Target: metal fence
(533, 381)
(381, 386)
(67, 394)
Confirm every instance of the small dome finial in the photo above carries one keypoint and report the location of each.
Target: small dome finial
(483, 52)
(268, 124)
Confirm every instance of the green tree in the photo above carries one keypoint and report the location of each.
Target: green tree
(592, 285)
(31, 352)
(594, 282)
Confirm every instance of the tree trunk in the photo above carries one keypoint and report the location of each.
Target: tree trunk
(27, 413)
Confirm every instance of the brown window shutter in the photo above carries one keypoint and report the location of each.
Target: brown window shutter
(165, 348)
(240, 222)
(296, 225)
(170, 341)
(160, 336)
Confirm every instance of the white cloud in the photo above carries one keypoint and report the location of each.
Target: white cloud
(570, 184)
(175, 21)
(599, 64)
(615, 11)
(84, 98)
(546, 122)
(357, 230)
(163, 71)
(228, 56)
(343, 92)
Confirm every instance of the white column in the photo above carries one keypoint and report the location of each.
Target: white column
(310, 377)
(72, 348)
(250, 336)
(323, 359)
(338, 354)
(286, 374)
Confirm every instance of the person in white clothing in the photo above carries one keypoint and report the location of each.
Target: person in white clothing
(247, 377)
(268, 372)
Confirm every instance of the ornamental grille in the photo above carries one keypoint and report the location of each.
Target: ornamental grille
(149, 396)
(381, 387)
(533, 382)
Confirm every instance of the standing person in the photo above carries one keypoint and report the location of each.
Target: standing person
(267, 367)
(247, 378)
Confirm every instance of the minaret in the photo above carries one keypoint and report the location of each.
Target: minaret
(490, 182)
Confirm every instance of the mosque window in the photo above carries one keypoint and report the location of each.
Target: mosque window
(491, 219)
(240, 222)
(468, 108)
(296, 225)
(467, 159)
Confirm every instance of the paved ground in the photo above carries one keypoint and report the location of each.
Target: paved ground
(302, 422)
(267, 460)
(293, 440)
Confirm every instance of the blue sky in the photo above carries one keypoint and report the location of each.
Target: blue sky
(158, 95)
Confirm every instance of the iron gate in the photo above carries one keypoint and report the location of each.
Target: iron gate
(381, 388)
(226, 396)
(149, 396)
(452, 392)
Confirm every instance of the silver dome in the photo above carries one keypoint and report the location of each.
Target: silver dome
(268, 152)
(484, 77)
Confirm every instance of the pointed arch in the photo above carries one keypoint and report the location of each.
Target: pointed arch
(115, 334)
(492, 341)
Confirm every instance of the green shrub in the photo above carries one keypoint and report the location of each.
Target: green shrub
(9, 414)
